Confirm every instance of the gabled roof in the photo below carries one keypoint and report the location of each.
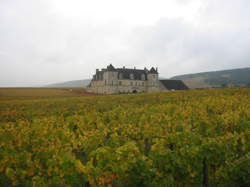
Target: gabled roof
(153, 70)
(110, 68)
(174, 84)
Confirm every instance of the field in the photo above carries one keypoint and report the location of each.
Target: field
(63, 137)
(36, 93)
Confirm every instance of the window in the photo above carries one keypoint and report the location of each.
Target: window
(120, 76)
(131, 76)
(142, 83)
(120, 83)
(131, 83)
(143, 77)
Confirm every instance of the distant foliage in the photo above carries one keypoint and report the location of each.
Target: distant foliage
(182, 138)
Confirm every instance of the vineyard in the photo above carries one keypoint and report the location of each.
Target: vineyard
(182, 138)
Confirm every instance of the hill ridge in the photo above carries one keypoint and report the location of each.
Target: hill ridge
(239, 77)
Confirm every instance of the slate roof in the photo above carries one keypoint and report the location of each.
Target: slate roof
(125, 72)
(137, 73)
(174, 84)
(99, 75)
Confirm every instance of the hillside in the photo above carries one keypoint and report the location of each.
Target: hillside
(225, 78)
(70, 84)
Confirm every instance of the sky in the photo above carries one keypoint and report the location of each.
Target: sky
(50, 41)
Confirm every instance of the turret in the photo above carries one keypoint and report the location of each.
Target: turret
(110, 79)
(110, 68)
(153, 81)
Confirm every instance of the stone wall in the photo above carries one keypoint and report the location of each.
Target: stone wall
(112, 85)
(125, 86)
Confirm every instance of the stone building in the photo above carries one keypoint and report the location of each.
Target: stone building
(113, 80)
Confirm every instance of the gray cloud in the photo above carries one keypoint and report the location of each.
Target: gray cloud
(177, 47)
(220, 39)
(40, 46)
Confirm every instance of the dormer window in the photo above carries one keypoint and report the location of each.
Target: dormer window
(120, 76)
(143, 77)
(131, 76)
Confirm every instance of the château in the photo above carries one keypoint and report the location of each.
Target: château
(113, 80)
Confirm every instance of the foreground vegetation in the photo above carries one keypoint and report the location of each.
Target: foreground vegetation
(184, 138)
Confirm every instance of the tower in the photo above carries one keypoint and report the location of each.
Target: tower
(110, 80)
(153, 83)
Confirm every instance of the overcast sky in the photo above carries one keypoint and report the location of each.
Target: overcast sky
(48, 41)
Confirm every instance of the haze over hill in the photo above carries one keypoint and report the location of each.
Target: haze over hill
(70, 84)
(224, 78)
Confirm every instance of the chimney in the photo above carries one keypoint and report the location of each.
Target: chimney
(156, 69)
(123, 67)
(134, 67)
(97, 70)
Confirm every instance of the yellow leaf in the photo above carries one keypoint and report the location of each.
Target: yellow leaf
(80, 167)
